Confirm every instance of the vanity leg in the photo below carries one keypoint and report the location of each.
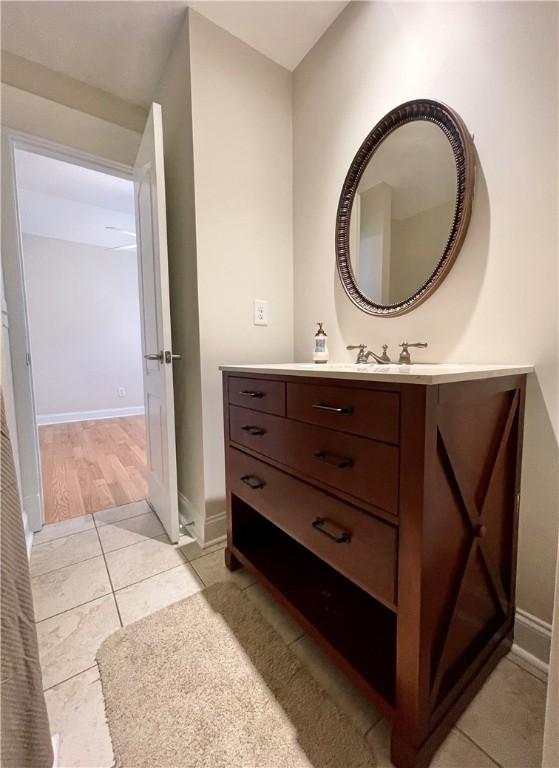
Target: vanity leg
(231, 561)
(403, 755)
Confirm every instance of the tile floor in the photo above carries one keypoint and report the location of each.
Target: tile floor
(93, 574)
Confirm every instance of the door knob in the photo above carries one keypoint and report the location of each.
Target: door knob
(155, 356)
(169, 357)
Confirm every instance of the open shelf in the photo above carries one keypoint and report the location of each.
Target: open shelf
(352, 623)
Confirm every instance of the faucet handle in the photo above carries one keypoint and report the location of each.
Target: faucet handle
(361, 356)
(405, 358)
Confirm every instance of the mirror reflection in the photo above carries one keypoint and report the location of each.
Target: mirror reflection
(403, 212)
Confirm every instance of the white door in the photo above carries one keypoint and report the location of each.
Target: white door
(149, 189)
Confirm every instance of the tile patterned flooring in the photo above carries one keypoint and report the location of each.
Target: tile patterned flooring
(93, 574)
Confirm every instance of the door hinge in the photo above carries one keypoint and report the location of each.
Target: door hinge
(28, 358)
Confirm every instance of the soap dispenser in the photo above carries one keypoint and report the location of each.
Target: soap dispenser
(320, 354)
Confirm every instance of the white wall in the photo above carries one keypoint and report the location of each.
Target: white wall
(84, 325)
(241, 117)
(28, 76)
(228, 154)
(55, 217)
(37, 116)
(496, 64)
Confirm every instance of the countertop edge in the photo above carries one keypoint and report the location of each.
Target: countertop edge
(409, 377)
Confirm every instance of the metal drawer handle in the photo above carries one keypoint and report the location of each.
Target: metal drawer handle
(253, 482)
(253, 430)
(339, 462)
(339, 538)
(251, 393)
(331, 408)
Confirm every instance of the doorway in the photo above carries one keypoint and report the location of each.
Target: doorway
(147, 179)
(80, 273)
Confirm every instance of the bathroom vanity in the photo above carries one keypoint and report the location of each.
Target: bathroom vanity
(379, 504)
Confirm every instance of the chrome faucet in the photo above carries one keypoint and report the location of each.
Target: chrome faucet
(363, 357)
(405, 357)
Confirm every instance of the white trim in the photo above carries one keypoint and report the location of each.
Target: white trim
(206, 530)
(105, 413)
(532, 639)
(215, 528)
(55, 739)
(48, 148)
(28, 533)
(16, 300)
(529, 660)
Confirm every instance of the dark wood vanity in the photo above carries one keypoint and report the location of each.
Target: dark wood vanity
(384, 516)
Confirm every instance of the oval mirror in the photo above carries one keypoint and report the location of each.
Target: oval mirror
(405, 207)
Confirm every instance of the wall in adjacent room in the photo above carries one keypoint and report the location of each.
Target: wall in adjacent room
(496, 65)
(84, 327)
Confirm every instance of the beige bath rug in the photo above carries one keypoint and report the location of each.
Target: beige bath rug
(208, 683)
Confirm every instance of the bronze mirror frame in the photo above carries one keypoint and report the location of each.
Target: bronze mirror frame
(464, 154)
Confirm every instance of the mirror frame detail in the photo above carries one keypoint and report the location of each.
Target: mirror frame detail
(464, 154)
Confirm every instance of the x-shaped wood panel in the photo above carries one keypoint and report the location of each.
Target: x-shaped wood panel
(477, 518)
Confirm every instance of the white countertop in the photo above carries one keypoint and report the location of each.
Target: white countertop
(419, 373)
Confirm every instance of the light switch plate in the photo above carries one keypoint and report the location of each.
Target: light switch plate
(260, 312)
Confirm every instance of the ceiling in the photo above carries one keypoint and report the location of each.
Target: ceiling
(122, 47)
(68, 202)
(50, 176)
(283, 31)
(418, 164)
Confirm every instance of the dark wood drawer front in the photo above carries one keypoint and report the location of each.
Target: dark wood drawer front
(359, 411)
(261, 432)
(360, 546)
(260, 394)
(359, 467)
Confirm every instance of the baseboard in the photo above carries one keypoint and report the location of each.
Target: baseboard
(206, 530)
(532, 639)
(215, 528)
(55, 739)
(106, 413)
(28, 533)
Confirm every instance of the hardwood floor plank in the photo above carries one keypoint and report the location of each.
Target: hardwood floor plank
(102, 497)
(92, 465)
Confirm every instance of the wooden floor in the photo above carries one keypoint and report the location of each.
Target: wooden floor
(92, 465)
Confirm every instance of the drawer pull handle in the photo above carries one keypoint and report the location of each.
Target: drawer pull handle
(251, 393)
(253, 482)
(335, 461)
(331, 408)
(253, 430)
(339, 538)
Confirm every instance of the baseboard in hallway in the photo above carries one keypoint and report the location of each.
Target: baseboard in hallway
(107, 413)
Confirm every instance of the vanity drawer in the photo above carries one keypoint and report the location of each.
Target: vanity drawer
(259, 394)
(360, 546)
(355, 465)
(365, 412)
